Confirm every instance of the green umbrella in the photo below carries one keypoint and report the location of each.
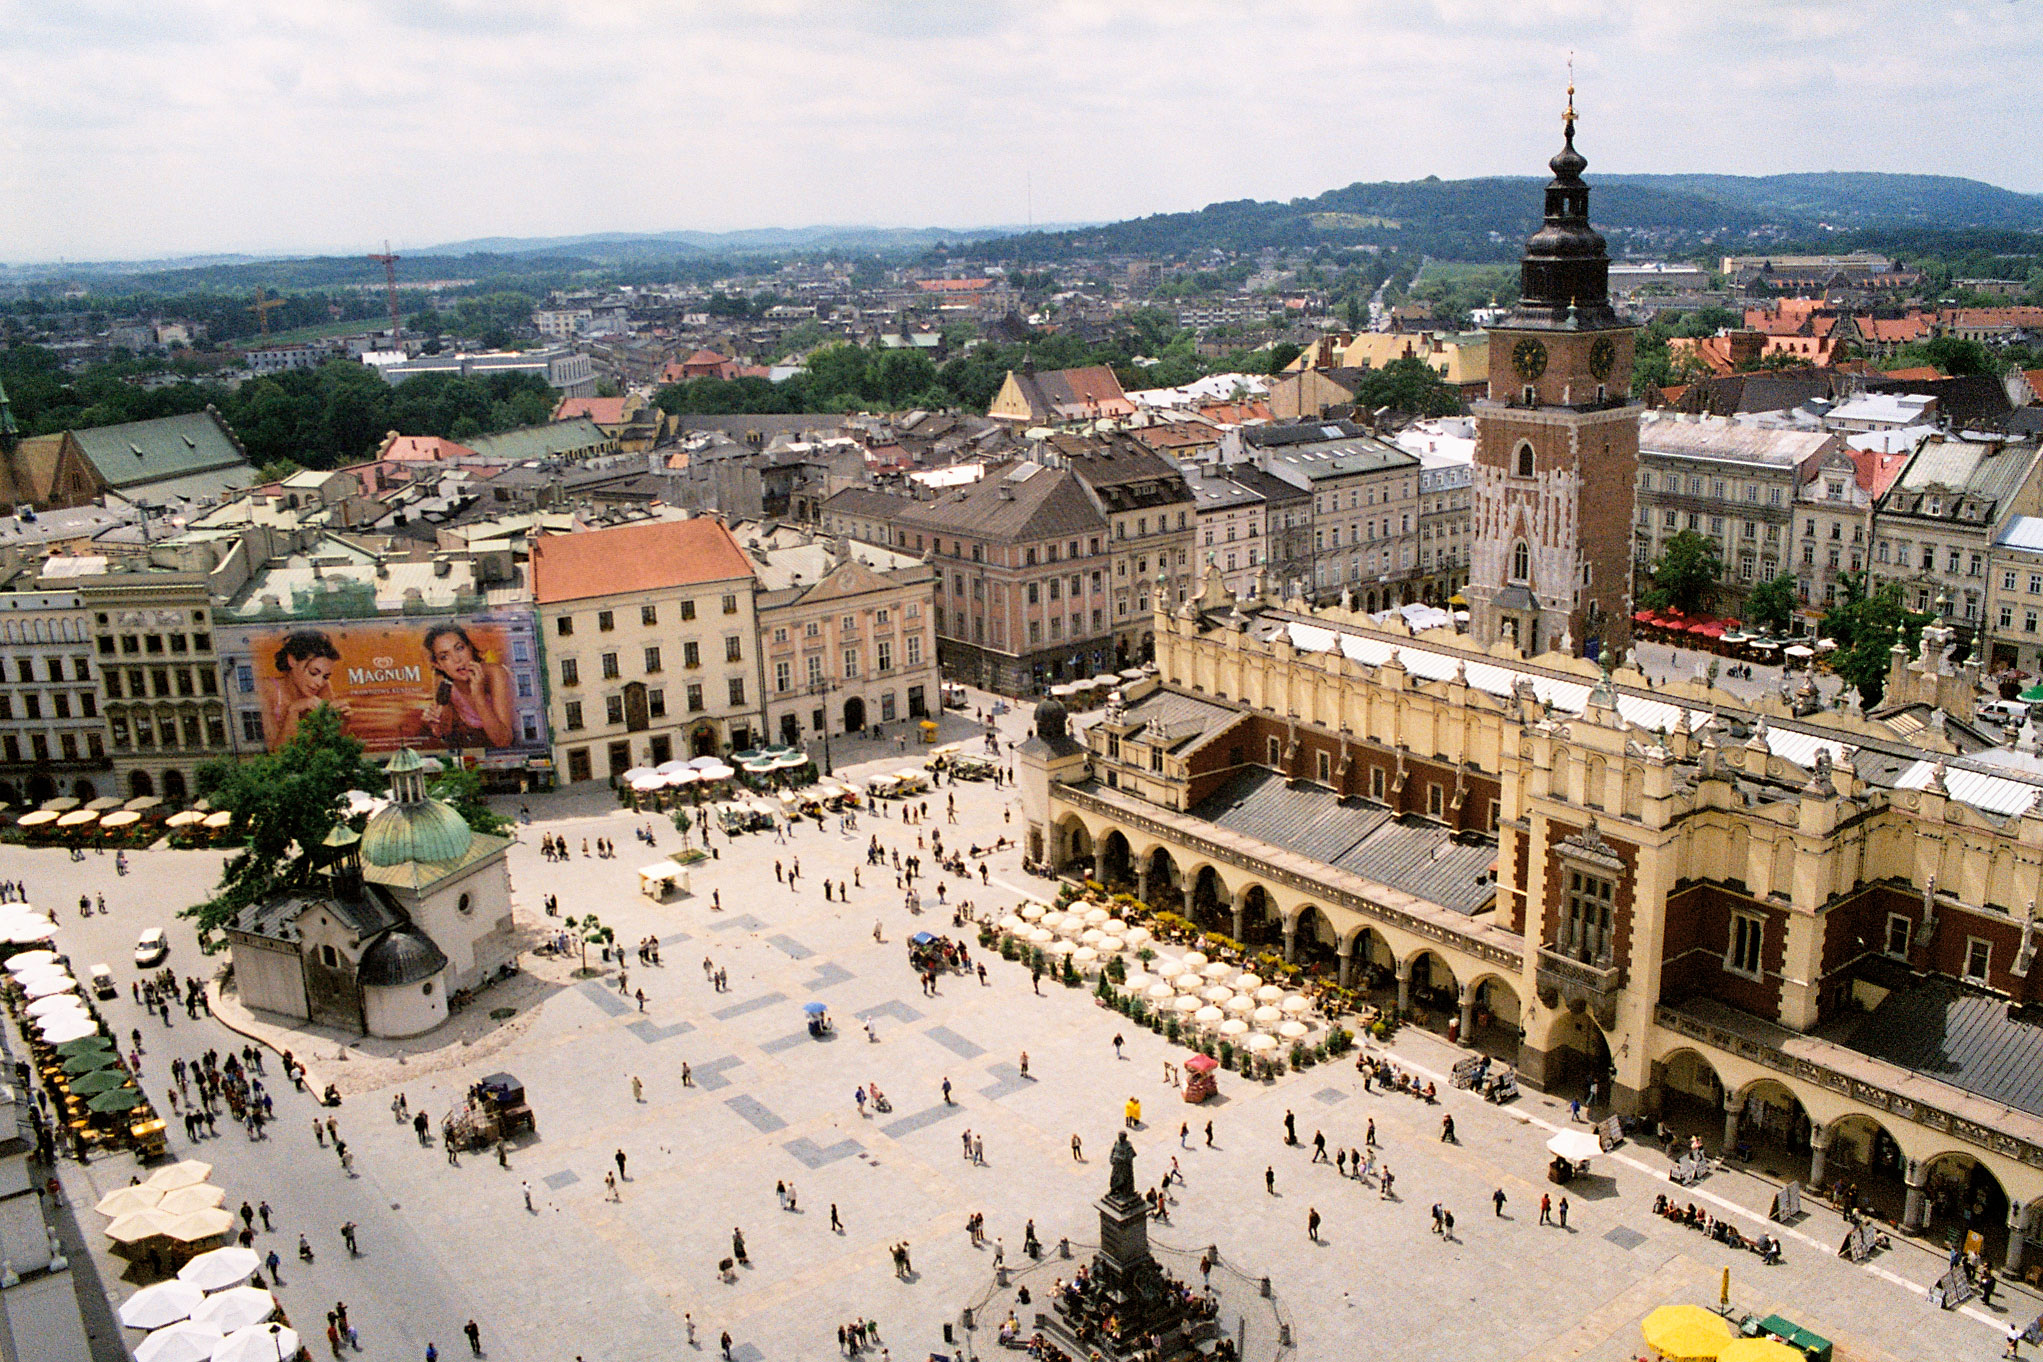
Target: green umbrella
(85, 1045)
(99, 1080)
(90, 1060)
(116, 1099)
(2033, 693)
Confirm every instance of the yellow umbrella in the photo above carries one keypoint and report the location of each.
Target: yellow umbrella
(1759, 1350)
(122, 1200)
(193, 1226)
(77, 818)
(136, 1226)
(1685, 1333)
(200, 1196)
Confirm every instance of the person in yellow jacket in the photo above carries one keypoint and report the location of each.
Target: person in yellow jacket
(1133, 1113)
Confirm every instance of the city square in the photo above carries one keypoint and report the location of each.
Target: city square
(584, 1275)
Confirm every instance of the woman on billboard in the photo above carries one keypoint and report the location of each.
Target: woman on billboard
(304, 681)
(472, 705)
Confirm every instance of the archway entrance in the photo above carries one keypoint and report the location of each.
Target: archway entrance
(1497, 1019)
(1211, 907)
(854, 715)
(1372, 968)
(139, 784)
(41, 788)
(173, 785)
(1691, 1098)
(1863, 1167)
(1077, 849)
(1961, 1196)
(85, 790)
(1261, 927)
(702, 740)
(790, 731)
(1773, 1131)
(1313, 943)
(1160, 889)
(1577, 1055)
(1116, 861)
(1434, 996)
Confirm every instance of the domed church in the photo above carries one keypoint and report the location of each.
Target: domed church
(415, 906)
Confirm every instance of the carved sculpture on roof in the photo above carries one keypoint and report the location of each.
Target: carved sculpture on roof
(1928, 933)
(2026, 955)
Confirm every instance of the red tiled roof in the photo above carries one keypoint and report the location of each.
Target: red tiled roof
(614, 562)
(601, 410)
(1876, 471)
(707, 357)
(424, 449)
(1893, 330)
(1918, 374)
(952, 285)
(1235, 413)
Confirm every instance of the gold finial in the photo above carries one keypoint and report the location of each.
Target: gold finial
(1569, 117)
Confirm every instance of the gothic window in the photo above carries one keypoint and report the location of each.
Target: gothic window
(1521, 562)
(1524, 460)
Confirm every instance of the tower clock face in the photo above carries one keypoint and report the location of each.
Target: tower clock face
(1528, 357)
(1602, 355)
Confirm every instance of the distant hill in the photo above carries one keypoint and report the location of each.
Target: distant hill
(1487, 218)
(640, 246)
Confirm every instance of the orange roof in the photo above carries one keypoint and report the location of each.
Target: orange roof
(1235, 413)
(425, 449)
(614, 562)
(1893, 330)
(707, 357)
(1920, 373)
(601, 410)
(951, 285)
(2035, 377)
(1876, 471)
(1177, 435)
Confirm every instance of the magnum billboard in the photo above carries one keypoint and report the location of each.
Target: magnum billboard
(446, 683)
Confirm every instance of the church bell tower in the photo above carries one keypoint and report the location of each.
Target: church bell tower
(1557, 444)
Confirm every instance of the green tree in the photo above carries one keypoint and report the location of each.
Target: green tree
(1772, 603)
(589, 931)
(284, 804)
(1687, 574)
(1408, 385)
(461, 789)
(1866, 628)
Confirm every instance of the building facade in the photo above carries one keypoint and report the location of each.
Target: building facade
(53, 735)
(651, 641)
(1936, 524)
(1232, 524)
(1364, 503)
(159, 675)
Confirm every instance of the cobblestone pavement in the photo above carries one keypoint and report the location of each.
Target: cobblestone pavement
(583, 1275)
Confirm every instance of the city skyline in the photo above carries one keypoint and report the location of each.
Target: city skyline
(222, 128)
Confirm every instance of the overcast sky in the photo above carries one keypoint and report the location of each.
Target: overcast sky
(134, 130)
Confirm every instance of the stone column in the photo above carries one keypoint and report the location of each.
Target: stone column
(1917, 1178)
(1099, 865)
(1404, 984)
(1142, 884)
(1240, 911)
(1345, 950)
(1819, 1149)
(1732, 1106)
(1468, 1016)
(2018, 1245)
(1290, 940)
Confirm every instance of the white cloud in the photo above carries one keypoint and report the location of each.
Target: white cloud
(213, 125)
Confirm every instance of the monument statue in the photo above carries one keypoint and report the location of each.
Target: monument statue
(1122, 1183)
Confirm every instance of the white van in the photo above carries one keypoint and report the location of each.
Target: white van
(2006, 713)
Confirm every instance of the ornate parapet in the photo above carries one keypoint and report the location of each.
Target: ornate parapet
(1567, 982)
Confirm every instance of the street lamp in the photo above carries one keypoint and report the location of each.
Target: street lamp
(823, 688)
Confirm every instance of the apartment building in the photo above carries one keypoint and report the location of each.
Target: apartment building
(1365, 506)
(53, 736)
(152, 635)
(1148, 509)
(1232, 523)
(1936, 524)
(650, 641)
(1834, 520)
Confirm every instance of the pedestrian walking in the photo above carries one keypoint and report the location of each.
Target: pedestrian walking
(1312, 1224)
(474, 1332)
(1290, 1128)
(638, 1089)
(1546, 1209)
(1270, 1179)
(1118, 1042)
(1025, 1064)
(1562, 1212)
(1447, 1128)
(1077, 1151)
(1209, 1134)
(836, 1225)
(526, 1187)
(725, 1341)
(1497, 1199)
(1319, 1146)
(947, 1092)
(1369, 1136)
(619, 1156)
(1383, 1181)
(1447, 1223)
(1184, 1134)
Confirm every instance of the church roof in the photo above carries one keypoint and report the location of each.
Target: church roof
(402, 955)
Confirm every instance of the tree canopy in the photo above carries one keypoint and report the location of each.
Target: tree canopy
(1866, 628)
(284, 804)
(1687, 574)
(1772, 603)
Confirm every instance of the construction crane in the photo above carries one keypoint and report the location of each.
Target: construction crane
(389, 264)
(262, 308)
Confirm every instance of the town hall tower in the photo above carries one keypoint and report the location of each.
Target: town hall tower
(1557, 444)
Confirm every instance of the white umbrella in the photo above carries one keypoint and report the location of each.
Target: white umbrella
(1060, 948)
(257, 1343)
(1233, 1026)
(164, 1303)
(1072, 927)
(236, 1308)
(23, 930)
(28, 960)
(45, 985)
(1266, 1016)
(1138, 935)
(1260, 1042)
(1033, 912)
(55, 1003)
(1085, 957)
(1240, 1004)
(66, 1027)
(220, 819)
(1113, 926)
(200, 1196)
(1248, 983)
(1051, 921)
(1095, 916)
(1195, 960)
(120, 818)
(136, 1226)
(193, 1226)
(1295, 1004)
(639, 772)
(221, 1268)
(1137, 980)
(1091, 936)
(1111, 945)
(1188, 982)
(1217, 994)
(1294, 1030)
(359, 802)
(184, 1173)
(1218, 970)
(180, 1342)
(1188, 1005)
(1209, 1016)
(1270, 993)
(1012, 923)
(714, 771)
(1161, 993)
(1575, 1145)
(1167, 969)
(122, 1200)
(38, 818)
(1040, 937)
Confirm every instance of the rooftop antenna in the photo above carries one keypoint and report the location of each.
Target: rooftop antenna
(389, 263)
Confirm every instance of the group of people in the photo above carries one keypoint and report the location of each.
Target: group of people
(1767, 1246)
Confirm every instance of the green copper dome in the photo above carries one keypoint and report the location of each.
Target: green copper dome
(413, 827)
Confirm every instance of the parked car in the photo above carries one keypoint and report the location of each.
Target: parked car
(2006, 713)
(103, 983)
(151, 948)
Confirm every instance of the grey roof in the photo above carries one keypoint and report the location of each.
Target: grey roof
(1041, 503)
(1425, 859)
(402, 955)
(1179, 718)
(138, 453)
(541, 442)
(1272, 489)
(1320, 462)
(1273, 435)
(1219, 491)
(1982, 474)
(277, 918)
(1957, 1036)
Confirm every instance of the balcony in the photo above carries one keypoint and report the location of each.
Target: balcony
(1562, 979)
